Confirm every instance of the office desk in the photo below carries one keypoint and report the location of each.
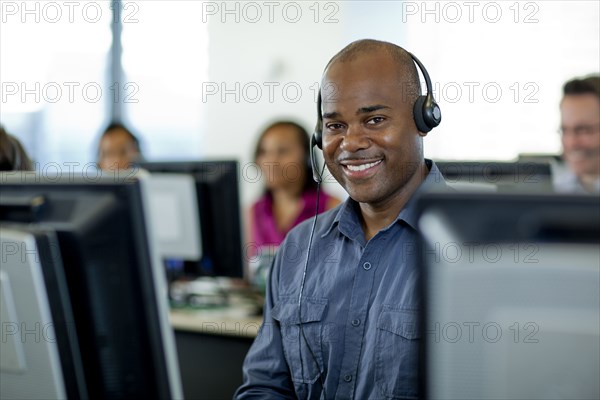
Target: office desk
(211, 346)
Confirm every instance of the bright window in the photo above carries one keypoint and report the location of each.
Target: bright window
(165, 61)
(53, 69)
(498, 70)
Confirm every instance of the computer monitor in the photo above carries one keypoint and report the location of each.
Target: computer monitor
(217, 189)
(506, 176)
(511, 296)
(114, 279)
(174, 215)
(40, 352)
(539, 158)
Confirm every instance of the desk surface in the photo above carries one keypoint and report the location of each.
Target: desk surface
(230, 321)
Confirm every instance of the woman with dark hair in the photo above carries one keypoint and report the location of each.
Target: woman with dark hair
(283, 155)
(118, 148)
(12, 154)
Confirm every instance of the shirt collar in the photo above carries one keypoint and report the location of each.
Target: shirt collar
(568, 182)
(347, 217)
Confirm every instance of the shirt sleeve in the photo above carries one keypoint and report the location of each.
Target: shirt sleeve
(266, 373)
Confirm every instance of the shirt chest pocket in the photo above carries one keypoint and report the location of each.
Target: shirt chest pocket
(302, 342)
(397, 353)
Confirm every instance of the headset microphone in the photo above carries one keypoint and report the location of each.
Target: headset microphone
(318, 177)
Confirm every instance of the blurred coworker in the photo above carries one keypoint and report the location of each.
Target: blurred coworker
(119, 148)
(12, 154)
(580, 136)
(283, 155)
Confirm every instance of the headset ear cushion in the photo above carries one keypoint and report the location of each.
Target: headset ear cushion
(318, 138)
(419, 115)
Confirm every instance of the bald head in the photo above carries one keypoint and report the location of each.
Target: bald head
(408, 77)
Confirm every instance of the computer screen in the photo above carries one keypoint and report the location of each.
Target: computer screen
(217, 189)
(511, 295)
(174, 215)
(40, 353)
(506, 176)
(114, 279)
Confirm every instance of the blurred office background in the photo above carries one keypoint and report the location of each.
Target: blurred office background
(198, 80)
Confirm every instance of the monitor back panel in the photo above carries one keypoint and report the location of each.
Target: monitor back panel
(30, 365)
(512, 303)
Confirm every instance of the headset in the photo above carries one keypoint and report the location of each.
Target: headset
(426, 112)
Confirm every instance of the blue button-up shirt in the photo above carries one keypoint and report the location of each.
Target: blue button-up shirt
(356, 333)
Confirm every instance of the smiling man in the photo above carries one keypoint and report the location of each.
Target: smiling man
(355, 334)
(580, 135)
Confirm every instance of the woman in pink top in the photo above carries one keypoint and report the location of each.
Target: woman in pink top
(283, 154)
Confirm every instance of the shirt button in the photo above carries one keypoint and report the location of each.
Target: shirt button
(355, 322)
(348, 378)
(367, 266)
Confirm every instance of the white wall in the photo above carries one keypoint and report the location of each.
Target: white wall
(543, 43)
(287, 53)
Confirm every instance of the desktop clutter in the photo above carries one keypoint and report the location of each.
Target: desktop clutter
(210, 293)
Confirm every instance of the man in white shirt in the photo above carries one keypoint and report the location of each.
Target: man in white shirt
(580, 136)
